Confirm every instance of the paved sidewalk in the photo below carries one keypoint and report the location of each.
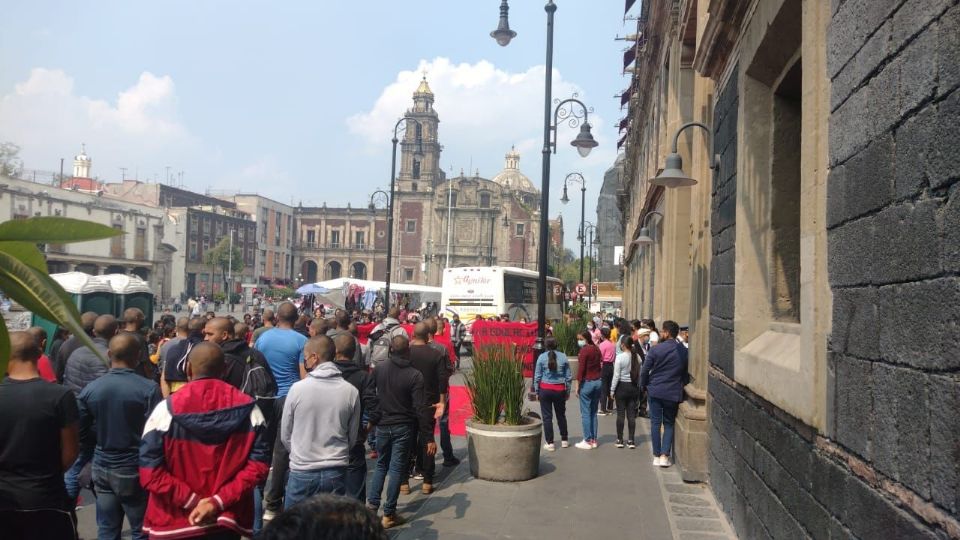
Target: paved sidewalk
(580, 494)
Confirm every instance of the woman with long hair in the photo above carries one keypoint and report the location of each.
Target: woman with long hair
(589, 387)
(654, 334)
(625, 389)
(551, 383)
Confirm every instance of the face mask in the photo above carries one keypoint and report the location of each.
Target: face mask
(581, 342)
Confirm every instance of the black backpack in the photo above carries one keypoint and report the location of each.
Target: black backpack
(380, 344)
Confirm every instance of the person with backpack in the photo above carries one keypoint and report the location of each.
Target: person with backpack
(343, 328)
(625, 390)
(382, 335)
(551, 383)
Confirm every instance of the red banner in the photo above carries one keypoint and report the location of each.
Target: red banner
(514, 333)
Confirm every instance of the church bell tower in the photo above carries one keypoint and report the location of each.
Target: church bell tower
(420, 162)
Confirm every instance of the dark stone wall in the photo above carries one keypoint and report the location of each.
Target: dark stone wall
(893, 222)
(723, 227)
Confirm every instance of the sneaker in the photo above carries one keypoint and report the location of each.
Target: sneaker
(404, 489)
(665, 461)
(549, 447)
(268, 515)
(564, 444)
(418, 476)
(452, 462)
(631, 445)
(619, 443)
(391, 521)
(584, 445)
(593, 443)
(656, 461)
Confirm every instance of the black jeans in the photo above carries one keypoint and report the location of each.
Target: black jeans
(606, 373)
(426, 465)
(277, 479)
(553, 401)
(627, 396)
(47, 523)
(446, 445)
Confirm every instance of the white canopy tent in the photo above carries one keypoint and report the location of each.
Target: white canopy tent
(336, 286)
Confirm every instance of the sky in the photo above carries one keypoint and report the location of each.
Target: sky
(296, 100)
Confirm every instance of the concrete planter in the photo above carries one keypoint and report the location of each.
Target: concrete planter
(504, 453)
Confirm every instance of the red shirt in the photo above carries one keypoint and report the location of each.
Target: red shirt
(46, 369)
(589, 361)
(444, 339)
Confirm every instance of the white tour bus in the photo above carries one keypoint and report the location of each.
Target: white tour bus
(493, 290)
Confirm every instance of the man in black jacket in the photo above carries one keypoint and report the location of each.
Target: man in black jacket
(356, 480)
(72, 343)
(400, 391)
(432, 363)
(237, 353)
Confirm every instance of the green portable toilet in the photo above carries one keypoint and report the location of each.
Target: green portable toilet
(130, 292)
(89, 293)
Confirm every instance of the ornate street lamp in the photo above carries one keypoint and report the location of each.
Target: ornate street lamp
(584, 143)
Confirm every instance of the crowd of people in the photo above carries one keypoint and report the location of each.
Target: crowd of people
(219, 427)
(632, 367)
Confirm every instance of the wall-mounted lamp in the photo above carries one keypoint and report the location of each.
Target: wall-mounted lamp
(672, 175)
(644, 238)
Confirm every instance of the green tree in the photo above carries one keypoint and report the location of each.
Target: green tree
(23, 271)
(221, 255)
(10, 163)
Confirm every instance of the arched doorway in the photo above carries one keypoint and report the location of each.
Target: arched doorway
(308, 271)
(358, 270)
(333, 270)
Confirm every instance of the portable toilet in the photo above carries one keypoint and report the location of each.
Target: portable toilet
(130, 292)
(89, 293)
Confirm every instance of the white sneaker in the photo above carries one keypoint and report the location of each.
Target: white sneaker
(549, 447)
(269, 515)
(584, 445)
(656, 461)
(665, 461)
(564, 444)
(593, 444)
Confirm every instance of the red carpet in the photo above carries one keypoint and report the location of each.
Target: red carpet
(460, 411)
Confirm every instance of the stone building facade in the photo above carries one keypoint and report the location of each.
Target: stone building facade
(438, 221)
(816, 265)
(275, 236)
(610, 225)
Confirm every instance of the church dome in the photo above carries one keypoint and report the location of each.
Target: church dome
(511, 177)
(424, 88)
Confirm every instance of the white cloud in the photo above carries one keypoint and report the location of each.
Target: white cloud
(484, 110)
(139, 128)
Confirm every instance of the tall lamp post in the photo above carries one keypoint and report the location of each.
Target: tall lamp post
(591, 229)
(393, 182)
(387, 201)
(584, 143)
(577, 177)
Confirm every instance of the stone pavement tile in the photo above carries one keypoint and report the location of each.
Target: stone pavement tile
(683, 488)
(689, 500)
(694, 511)
(702, 536)
(699, 524)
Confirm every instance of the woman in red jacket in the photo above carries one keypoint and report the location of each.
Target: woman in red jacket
(588, 388)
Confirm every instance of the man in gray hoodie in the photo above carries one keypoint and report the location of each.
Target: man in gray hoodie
(321, 421)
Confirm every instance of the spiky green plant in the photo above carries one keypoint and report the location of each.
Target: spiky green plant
(23, 271)
(496, 385)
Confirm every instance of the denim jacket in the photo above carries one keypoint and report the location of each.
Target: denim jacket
(542, 373)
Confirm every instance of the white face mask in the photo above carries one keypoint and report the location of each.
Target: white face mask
(581, 342)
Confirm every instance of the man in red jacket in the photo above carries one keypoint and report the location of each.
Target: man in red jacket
(203, 450)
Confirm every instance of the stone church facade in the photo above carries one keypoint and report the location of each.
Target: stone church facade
(438, 221)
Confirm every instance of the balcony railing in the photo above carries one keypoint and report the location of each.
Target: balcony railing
(337, 246)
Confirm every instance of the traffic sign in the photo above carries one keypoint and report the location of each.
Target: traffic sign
(595, 289)
(581, 289)
(556, 290)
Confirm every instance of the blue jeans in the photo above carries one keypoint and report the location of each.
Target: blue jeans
(71, 478)
(119, 493)
(356, 478)
(589, 405)
(257, 508)
(662, 413)
(393, 447)
(302, 485)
